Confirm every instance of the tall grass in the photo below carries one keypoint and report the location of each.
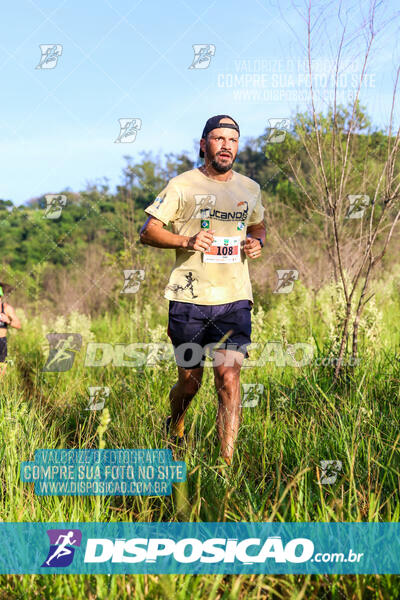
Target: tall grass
(300, 420)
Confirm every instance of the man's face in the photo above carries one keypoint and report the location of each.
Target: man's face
(220, 148)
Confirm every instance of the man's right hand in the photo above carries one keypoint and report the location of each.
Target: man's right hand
(201, 241)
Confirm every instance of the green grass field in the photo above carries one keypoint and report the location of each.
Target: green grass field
(301, 419)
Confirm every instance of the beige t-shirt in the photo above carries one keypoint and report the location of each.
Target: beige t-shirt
(192, 201)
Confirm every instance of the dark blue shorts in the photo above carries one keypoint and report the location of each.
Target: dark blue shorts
(3, 349)
(191, 327)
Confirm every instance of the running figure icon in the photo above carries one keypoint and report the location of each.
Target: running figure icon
(62, 549)
(189, 285)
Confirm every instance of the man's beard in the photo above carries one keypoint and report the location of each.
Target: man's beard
(219, 167)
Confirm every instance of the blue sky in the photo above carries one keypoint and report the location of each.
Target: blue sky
(131, 59)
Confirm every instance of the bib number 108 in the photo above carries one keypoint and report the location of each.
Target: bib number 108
(224, 250)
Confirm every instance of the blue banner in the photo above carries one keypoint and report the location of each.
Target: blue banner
(197, 548)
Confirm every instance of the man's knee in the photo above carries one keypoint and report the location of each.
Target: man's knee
(227, 378)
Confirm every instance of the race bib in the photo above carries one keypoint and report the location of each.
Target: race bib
(223, 250)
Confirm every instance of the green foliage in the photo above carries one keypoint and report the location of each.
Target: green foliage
(368, 149)
(300, 420)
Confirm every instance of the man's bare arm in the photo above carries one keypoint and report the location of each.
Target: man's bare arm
(10, 317)
(257, 231)
(252, 246)
(154, 234)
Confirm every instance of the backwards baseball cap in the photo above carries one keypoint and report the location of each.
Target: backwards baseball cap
(214, 123)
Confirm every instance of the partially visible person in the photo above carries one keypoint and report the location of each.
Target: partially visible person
(8, 318)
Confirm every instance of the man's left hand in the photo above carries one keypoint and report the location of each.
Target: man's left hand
(252, 248)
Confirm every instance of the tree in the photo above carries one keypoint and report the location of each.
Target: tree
(346, 175)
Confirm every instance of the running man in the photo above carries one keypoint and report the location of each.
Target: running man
(62, 550)
(7, 318)
(217, 224)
